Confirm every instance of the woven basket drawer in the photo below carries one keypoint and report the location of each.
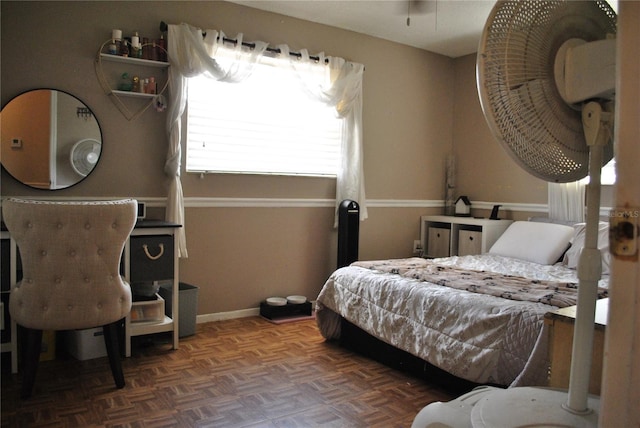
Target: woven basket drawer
(469, 242)
(151, 258)
(438, 242)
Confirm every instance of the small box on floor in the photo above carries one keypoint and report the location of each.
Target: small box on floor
(86, 344)
(289, 310)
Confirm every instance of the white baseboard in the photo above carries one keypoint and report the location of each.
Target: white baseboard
(221, 316)
(242, 313)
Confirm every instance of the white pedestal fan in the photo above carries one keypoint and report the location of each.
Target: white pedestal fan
(84, 155)
(546, 80)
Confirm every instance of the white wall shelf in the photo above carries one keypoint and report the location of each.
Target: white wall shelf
(131, 94)
(109, 66)
(444, 236)
(133, 61)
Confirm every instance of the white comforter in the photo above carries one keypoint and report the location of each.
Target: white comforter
(477, 337)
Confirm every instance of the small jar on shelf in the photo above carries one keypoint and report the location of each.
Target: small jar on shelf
(125, 83)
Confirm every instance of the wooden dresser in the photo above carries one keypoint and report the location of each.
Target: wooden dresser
(561, 323)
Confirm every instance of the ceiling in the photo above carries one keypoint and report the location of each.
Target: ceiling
(447, 27)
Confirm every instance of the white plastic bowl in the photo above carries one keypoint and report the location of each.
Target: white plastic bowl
(276, 301)
(296, 300)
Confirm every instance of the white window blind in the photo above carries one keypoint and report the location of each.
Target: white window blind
(266, 124)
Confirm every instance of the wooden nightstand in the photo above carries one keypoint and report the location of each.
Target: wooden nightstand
(561, 324)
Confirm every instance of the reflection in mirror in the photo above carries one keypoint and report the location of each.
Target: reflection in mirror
(50, 139)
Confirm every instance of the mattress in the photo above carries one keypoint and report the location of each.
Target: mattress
(477, 337)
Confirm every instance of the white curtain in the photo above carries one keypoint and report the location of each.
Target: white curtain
(191, 54)
(567, 201)
(343, 91)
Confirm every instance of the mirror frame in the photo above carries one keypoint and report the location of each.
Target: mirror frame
(60, 174)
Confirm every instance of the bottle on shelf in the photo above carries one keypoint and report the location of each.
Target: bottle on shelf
(153, 51)
(124, 48)
(162, 52)
(135, 45)
(116, 41)
(151, 85)
(145, 48)
(125, 82)
(135, 87)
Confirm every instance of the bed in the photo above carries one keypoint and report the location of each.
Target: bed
(479, 318)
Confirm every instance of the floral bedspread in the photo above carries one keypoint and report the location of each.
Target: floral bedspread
(479, 337)
(551, 292)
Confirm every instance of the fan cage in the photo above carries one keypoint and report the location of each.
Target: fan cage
(517, 87)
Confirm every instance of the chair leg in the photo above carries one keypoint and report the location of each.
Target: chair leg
(32, 341)
(112, 343)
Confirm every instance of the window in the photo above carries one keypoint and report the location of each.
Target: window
(608, 173)
(266, 124)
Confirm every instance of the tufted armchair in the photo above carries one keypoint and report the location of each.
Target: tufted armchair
(70, 254)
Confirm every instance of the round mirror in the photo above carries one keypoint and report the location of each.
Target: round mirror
(50, 139)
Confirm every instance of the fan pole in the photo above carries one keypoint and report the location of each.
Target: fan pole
(596, 124)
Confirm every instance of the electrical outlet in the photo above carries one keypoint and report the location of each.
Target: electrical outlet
(417, 246)
(16, 143)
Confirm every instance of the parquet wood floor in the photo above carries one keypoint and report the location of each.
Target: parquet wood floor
(236, 373)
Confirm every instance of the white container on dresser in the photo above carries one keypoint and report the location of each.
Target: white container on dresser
(444, 236)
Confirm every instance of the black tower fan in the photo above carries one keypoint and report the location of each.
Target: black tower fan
(348, 232)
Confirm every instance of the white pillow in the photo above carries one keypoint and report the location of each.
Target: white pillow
(572, 255)
(541, 243)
